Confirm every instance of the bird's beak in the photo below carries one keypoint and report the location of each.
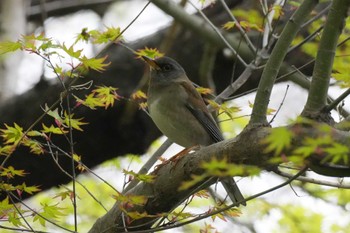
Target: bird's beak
(151, 63)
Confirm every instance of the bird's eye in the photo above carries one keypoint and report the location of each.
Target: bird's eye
(167, 67)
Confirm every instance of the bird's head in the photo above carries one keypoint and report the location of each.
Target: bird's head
(164, 69)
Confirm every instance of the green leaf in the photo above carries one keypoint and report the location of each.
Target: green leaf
(11, 172)
(73, 122)
(149, 52)
(48, 212)
(15, 219)
(53, 129)
(102, 96)
(112, 34)
(28, 189)
(83, 36)
(94, 63)
(7, 150)
(228, 25)
(195, 179)
(90, 101)
(71, 52)
(9, 46)
(278, 140)
(12, 135)
(141, 177)
(130, 200)
(34, 146)
(54, 113)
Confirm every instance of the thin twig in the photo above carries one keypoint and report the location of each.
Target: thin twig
(67, 174)
(306, 39)
(19, 212)
(316, 17)
(217, 31)
(243, 33)
(313, 181)
(335, 102)
(280, 106)
(40, 215)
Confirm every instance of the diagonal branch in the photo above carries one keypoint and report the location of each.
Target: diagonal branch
(317, 97)
(274, 63)
(163, 196)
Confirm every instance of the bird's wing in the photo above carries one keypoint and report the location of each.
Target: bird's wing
(197, 107)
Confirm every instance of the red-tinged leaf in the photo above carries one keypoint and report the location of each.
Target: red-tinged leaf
(204, 91)
(202, 194)
(134, 215)
(143, 106)
(141, 177)
(208, 229)
(28, 189)
(63, 195)
(54, 113)
(19, 192)
(11, 172)
(35, 146)
(229, 25)
(81, 167)
(90, 101)
(249, 26)
(8, 187)
(130, 200)
(214, 105)
(139, 95)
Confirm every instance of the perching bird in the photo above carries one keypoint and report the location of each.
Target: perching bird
(179, 111)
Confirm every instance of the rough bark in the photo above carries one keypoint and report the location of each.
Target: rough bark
(163, 196)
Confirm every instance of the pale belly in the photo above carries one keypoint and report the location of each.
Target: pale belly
(182, 127)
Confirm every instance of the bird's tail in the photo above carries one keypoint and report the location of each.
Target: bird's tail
(233, 191)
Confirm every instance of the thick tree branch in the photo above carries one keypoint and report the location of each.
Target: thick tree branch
(274, 63)
(318, 92)
(163, 196)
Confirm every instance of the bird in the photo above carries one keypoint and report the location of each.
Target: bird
(180, 113)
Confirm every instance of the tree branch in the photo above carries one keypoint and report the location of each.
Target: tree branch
(275, 61)
(163, 196)
(318, 91)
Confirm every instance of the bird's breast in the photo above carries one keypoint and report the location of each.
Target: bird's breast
(168, 110)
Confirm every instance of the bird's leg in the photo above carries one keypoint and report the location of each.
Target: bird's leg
(178, 156)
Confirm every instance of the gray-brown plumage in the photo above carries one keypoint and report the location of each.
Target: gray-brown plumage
(180, 113)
